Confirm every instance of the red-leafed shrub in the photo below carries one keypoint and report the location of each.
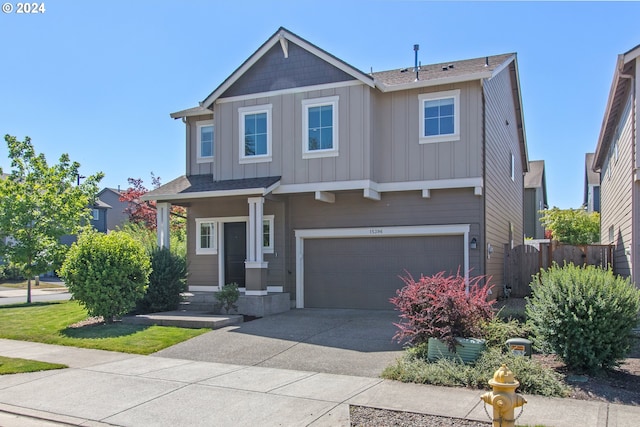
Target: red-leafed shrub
(439, 307)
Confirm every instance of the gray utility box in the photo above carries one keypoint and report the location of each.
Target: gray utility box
(519, 346)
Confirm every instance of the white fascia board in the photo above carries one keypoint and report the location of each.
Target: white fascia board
(412, 230)
(434, 82)
(631, 55)
(289, 91)
(434, 184)
(324, 186)
(191, 112)
(207, 194)
(502, 66)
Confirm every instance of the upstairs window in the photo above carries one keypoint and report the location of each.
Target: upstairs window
(255, 134)
(205, 141)
(320, 127)
(439, 116)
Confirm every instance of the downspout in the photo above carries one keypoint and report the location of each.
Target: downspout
(187, 167)
(483, 222)
(635, 175)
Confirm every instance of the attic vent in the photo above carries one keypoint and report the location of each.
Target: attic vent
(451, 66)
(445, 68)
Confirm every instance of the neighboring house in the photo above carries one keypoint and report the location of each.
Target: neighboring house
(535, 199)
(591, 185)
(116, 216)
(619, 167)
(310, 178)
(99, 212)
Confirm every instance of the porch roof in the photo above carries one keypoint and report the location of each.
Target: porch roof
(201, 186)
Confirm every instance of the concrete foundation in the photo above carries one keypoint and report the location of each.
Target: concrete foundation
(250, 305)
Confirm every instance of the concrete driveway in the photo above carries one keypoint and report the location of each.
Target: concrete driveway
(347, 342)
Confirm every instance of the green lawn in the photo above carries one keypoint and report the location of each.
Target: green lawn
(11, 365)
(49, 323)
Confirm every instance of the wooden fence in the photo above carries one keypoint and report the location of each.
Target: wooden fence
(522, 262)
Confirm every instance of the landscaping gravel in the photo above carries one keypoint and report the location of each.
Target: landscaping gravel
(362, 416)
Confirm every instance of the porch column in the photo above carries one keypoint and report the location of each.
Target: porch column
(162, 223)
(256, 268)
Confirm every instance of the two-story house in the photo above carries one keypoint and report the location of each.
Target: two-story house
(617, 161)
(309, 178)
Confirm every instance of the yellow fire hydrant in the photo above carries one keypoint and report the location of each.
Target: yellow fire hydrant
(503, 398)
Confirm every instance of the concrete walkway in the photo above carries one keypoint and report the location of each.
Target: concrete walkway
(106, 388)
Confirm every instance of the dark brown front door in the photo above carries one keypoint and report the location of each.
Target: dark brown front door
(235, 252)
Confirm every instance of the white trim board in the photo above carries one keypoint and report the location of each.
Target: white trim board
(374, 232)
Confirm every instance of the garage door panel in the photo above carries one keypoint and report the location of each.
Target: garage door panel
(364, 272)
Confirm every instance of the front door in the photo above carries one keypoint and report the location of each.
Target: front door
(235, 252)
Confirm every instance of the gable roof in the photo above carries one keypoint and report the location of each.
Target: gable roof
(283, 36)
(620, 87)
(535, 177)
(442, 73)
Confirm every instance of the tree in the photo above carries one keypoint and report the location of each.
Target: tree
(144, 211)
(572, 226)
(38, 205)
(106, 273)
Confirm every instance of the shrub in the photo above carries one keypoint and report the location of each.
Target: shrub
(227, 297)
(166, 282)
(439, 307)
(497, 331)
(584, 315)
(534, 378)
(106, 273)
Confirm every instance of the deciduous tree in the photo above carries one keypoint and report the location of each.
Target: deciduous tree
(572, 226)
(39, 204)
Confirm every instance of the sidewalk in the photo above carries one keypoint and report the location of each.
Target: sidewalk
(107, 388)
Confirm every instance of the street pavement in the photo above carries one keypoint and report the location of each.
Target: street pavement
(10, 296)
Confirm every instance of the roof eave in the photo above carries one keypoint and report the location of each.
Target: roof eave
(256, 191)
(191, 112)
(599, 156)
(432, 82)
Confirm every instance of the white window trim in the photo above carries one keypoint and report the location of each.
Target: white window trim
(213, 250)
(200, 157)
(268, 249)
(513, 167)
(256, 109)
(95, 214)
(318, 102)
(455, 136)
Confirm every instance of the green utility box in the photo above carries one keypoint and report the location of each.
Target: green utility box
(519, 346)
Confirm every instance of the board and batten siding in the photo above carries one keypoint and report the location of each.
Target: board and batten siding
(399, 156)
(503, 196)
(352, 163)
(193, 167)
(409, 208)
(616, 184)
(203, 269)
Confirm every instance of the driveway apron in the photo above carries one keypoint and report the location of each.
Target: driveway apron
(347, 342)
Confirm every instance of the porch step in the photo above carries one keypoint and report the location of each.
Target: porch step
(258, 306)
(185, 319)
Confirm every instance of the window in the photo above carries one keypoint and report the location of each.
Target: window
(255, 134)
(205, 141)
(611, 235)
(206, 237)
(320, 127)
(439, 116)
(267, 234)
(96, 214)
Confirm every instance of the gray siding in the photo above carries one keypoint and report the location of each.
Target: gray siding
(503, 196)
(533, 201)
(116, 216)
(275, 72)
(617, 202)
(193, 167)
(398, 154)
(352, 163)
(203, 269)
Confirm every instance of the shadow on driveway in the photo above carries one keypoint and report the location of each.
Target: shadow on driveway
(348, 342)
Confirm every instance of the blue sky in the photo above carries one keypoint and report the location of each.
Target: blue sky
(98, 79)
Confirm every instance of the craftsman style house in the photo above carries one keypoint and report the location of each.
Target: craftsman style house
(617, 161)
(310, 180)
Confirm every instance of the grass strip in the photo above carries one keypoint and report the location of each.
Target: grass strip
(13, 365)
